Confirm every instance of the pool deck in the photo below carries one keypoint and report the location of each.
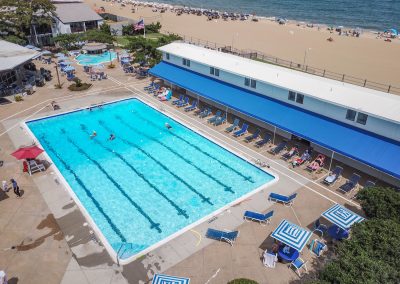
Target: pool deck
(54, 243)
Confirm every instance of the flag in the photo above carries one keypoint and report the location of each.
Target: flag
(139, 25)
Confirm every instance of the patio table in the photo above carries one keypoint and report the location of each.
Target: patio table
(289, 256)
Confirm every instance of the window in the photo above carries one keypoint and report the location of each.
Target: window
(167, 56)
(186, 62)
(299, 98)
(292, 96)
(351, 114)
(246, 81)
(253, 83)
(216, 72)
(212, 70)
(362, 118)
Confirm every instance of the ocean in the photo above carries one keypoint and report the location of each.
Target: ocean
(367, 14)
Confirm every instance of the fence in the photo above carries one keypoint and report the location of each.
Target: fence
(259, 56)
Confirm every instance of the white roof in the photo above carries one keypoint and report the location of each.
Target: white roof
(12, 55)
(375, 103)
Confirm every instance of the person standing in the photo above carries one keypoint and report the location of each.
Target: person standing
(15, 187)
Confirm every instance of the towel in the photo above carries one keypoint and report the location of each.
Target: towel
(269, 259)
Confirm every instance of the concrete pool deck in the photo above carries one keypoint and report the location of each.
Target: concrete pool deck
(55, 244)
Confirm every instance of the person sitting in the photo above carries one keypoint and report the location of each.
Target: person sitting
(160, 91)
(299, 161)
(317, 163)
(54, 105)
(163, 94)
(167, 96)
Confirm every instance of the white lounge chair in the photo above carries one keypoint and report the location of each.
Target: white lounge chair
(270, 259)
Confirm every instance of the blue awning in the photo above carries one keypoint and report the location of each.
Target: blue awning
(373, 150)
(341, 216)
(291, 235)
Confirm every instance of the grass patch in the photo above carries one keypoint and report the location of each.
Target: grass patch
(124, 40)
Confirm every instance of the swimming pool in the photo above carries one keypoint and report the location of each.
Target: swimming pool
(149, 182)
(94, 59)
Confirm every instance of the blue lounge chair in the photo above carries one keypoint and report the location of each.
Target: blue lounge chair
(178, 100)
(279, 148)
(298, 264)
(333, 176)
(317, 247)
(262, 218)
(183, 103)
(253, 136)
(242, 131)
(234, 125)
(205, 113)
(220, 120)
(265, 140)
(199, 110)
(318, 227)
(369, 183)
(351, 184)
(151, 85)
(218, 235)
(286, 200)
(192, 107)
(215, 117)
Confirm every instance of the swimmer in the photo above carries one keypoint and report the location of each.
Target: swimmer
(94, 134)
(168, 126)
(112, 137)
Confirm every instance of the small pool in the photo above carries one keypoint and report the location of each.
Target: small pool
(94, 59)
(149, 182)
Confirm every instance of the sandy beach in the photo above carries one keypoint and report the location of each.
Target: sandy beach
(364, 57)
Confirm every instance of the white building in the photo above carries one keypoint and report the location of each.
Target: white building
(359, 126)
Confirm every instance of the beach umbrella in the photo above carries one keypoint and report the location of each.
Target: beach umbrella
(393, 32)
(341, 216)
(292, 235)
(68, 68)
(30, 152)
(164, 279)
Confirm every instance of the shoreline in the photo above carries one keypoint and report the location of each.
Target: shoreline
(363, 57)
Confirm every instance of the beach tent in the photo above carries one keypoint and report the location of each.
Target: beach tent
(393, 32)
(341, 216)
(292, 235)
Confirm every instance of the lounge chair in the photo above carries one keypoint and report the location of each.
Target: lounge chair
(178, 100)
(234, 125)
(291, 153)
(215, 117)
(192, 107)
(305, 157)
(281, 146)
(205, 113)
(317, 247)
(255, 135)
(286, 200)
(255, 216)
(317, 163)
(333, 176)
(270, 259)
(265, 140)
(351, 184)
(185, 102)
(220, 120)
(199, 110)
(242, 131)
(318, 227)
(229, 237)
(34, 167)
(369, 183)
(151, 85)
(298, 264)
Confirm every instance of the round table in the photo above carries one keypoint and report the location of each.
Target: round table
(287, 257)
(337, 233)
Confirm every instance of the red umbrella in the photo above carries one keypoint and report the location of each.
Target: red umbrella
(30, 152)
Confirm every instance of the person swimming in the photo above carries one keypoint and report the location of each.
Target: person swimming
(168, 126)
(112, 137)
(94, 134)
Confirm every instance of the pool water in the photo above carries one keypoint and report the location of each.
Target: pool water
(94, 59)
(147, 183)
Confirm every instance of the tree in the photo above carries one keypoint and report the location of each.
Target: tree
(153, 28)
(98, 36)
(68, 41)
(105, 28)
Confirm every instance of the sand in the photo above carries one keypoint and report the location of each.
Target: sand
(364, 57)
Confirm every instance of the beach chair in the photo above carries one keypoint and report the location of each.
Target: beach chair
(199, 110)
(279, 148)
(205, 113)
(242, 131)
(317, 247)
(215, 117)
(333, 176)
(183, 103)
(298, 264)
(291, 153)
(317, 163)
(255, 216)
(178, 100)
(351, 184)
(369, 183)
(318, 227)
(192, 107)
(220, 120)
(255, 135)
(229, 237)
(234, 125)
(270, 259)
(265, 140)
(151, 85)
(286, 200)
(34, 167)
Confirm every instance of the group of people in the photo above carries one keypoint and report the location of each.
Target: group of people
(94, 134)
(164, 94)
(14, 185)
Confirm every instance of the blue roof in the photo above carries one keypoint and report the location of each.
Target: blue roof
(341, 216)
(291, 235)
(366, 147)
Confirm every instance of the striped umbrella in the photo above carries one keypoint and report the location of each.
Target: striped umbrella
(291, 235)
(342, 217)
(167, 279)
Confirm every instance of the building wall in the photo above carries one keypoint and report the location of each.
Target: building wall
(374, 124)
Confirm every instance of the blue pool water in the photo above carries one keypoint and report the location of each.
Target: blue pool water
(94, 59)
(149, 182)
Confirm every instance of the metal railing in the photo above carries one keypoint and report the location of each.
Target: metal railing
(259, 56)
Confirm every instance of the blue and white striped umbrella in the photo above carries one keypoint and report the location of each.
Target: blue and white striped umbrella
(291, 235)
(167, 279)
(341, 216)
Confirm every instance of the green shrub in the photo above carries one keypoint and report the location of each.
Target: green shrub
(18, 98)
(78, 85)
(242, 281)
